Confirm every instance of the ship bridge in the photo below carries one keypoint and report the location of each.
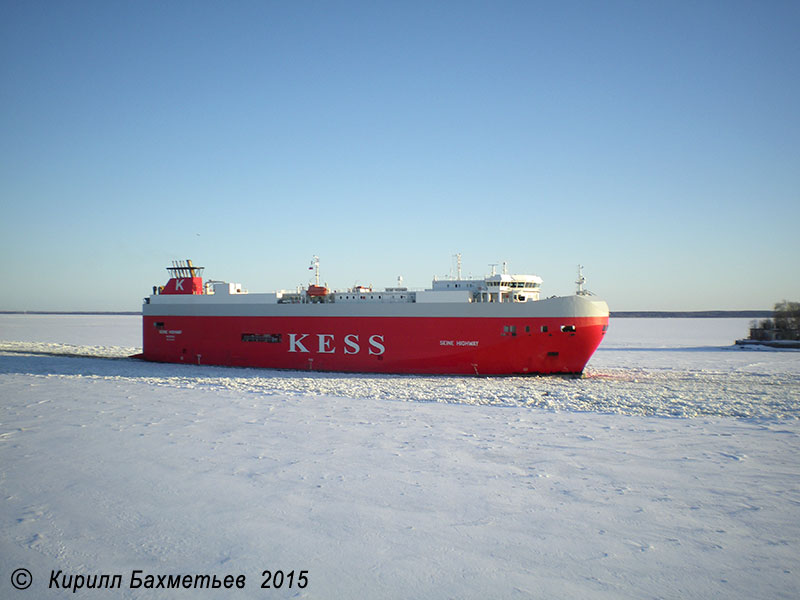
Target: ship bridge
(495, 288)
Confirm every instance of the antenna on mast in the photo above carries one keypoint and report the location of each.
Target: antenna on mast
(581, 280)
(457, 258)
(315, 267)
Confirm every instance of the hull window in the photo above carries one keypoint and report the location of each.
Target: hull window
(271, 338)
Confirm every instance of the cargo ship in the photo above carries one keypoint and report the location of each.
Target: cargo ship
(494, 325)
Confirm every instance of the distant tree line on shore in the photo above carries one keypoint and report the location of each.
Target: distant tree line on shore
(689, 314)
(784, 324)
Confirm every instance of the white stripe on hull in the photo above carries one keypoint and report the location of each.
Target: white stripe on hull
(197, 305)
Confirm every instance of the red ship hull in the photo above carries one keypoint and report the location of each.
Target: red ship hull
(460, 345)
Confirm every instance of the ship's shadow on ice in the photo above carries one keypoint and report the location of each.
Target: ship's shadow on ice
(41, 363)
(53, 364)
(60, 364)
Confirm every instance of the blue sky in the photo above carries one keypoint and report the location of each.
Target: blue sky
(656, 143)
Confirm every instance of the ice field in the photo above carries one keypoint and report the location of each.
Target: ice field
(670, 470)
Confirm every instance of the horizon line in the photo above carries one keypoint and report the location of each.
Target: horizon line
(708, 314)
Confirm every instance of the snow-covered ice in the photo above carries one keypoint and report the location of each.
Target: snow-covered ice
(670, 470)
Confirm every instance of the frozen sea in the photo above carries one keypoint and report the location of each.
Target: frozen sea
(670, 470)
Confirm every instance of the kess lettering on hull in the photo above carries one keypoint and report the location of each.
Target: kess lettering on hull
(326, 343)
